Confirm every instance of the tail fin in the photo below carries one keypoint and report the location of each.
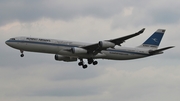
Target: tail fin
(154, 40)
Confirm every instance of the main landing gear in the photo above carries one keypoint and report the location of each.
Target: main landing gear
(90, 61)
(22, 55)
(81, 63)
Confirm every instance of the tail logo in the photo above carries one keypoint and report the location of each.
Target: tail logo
(155, 40)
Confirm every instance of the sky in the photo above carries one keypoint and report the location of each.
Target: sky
(38, 77)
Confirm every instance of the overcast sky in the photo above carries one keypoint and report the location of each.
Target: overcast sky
(38, 77)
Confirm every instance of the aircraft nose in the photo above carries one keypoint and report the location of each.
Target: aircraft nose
(7, 42)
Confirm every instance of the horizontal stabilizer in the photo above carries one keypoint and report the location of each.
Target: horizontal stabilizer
(159, 51)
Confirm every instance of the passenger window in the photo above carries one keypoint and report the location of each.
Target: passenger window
(12, 39)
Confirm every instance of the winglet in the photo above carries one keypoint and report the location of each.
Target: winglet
(141, 31)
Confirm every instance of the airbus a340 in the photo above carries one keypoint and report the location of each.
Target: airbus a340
(70, 51)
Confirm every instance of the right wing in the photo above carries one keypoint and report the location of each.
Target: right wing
(96, 48)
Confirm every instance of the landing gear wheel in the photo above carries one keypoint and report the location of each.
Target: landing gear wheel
(80, 63)
(95, 63)
(22, 55)
(89, 62)
(84, 66)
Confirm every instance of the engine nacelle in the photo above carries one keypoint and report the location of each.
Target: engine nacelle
(77, 50)
(63, 58)
(106, 44)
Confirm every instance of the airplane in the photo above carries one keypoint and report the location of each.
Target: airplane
(70, 51)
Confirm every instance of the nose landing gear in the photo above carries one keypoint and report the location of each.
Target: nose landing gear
(22, 55)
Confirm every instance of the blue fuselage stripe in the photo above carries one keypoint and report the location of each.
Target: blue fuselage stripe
(43, 43)
(122, 51)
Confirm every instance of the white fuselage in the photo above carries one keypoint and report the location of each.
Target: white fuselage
(62, 47)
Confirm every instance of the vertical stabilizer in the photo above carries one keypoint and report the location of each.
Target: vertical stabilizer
(154, 40)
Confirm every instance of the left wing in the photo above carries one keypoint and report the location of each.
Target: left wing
(97, 47)
(120, 40)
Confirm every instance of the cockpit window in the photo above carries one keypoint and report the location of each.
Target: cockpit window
(12, 39)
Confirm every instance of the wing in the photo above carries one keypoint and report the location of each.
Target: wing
(120, 40)
(95, 48)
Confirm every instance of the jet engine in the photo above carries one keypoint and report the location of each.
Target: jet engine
(106, 44)
(77, 50)
(64, 58)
